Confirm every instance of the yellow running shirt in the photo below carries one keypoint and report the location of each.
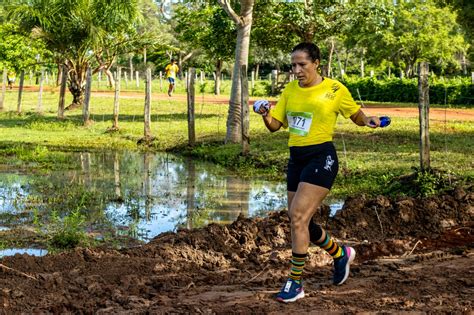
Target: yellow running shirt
(171, 70)
(311, 113)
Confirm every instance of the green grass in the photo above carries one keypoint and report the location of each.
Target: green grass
(369, 159)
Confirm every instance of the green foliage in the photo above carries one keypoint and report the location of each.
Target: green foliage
(63, 232)
(420, 183)
(261, 88)
(67, 232)
(424, 32)
(456, 91)
(18, 51)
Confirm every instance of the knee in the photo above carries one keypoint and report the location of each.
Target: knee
(298, 219)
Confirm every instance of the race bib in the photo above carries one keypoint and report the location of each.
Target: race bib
(299, 122)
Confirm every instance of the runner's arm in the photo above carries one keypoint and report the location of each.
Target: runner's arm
(360, 119)
(271, 123)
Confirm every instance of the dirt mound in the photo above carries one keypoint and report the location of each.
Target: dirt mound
(382, 217)
(413, 255)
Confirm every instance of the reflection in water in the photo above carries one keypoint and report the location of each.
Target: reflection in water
(29, 251)
(136, 194)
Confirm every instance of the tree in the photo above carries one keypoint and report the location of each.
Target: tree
(368, 23)
(79, 31)
(209, 29)
(243, 22)
(424, 32)
(17, 50)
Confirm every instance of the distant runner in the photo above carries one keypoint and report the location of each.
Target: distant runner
(171, 71)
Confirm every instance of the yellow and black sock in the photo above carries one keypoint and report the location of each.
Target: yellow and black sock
(297, 266)
(327, 243)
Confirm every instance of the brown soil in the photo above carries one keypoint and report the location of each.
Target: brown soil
(413, 255)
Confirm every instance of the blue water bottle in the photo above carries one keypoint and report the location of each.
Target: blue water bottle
(384, 121)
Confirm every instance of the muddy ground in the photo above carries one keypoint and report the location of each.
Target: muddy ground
(413, 255)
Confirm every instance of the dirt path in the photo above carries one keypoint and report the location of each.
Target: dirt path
(413, 255)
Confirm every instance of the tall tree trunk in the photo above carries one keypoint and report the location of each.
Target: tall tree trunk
(244, 25)
(217, 82)
(77, 84)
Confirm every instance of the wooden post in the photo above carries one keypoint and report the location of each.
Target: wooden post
(20, 90)
(87, 97)
(252, 82)
(245, 118)
(131, 67)
(191, 93)
(62, 91)
(274, 78)
(147, 118)
(4, 89)
(99, 78)
(40, 93)
(161, 81)
(186, 81)
(424, 109)
(137, 78)
(117, 97)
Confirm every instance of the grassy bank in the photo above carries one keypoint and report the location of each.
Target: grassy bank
(370, 160)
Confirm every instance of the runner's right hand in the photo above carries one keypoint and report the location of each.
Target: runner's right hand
(261, 107)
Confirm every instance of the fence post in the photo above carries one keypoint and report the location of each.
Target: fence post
(424, 109)
(191, 93)
(20, 90)
(40, 93)
(274, 79)
(116, 98)
(87, 98)
(4, 88)
(245, 119)
(161, 81)
(62, 91)
(147, 118)
(99, 79)
(252, 82)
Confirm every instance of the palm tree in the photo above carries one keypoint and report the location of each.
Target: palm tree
(81, 32)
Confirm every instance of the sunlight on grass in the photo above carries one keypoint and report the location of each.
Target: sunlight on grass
(367, 157)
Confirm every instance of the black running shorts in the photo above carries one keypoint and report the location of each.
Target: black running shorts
(314, 164)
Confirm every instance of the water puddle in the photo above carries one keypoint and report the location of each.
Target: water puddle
(29, 251)
(137, 194)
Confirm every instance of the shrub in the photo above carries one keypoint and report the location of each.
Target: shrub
(456, 91)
